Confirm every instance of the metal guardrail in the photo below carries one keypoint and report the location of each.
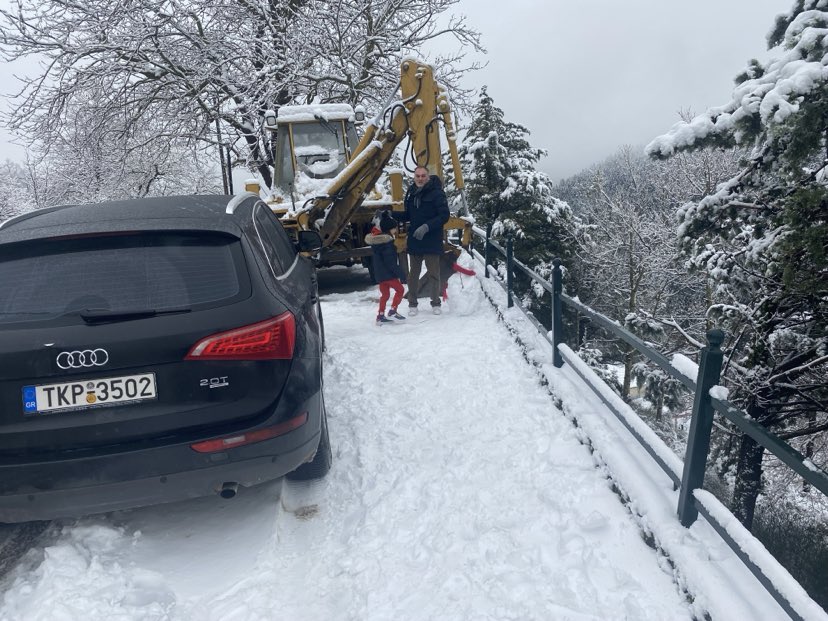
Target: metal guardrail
(704, 405)
(630, 339)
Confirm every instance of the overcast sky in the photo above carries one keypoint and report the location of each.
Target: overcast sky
(587, 77)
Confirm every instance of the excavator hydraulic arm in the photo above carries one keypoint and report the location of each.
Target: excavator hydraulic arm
(417, 115)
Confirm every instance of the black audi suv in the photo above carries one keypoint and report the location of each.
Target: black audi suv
(155, 350)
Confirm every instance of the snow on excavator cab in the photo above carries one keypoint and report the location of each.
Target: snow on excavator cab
(313, 142)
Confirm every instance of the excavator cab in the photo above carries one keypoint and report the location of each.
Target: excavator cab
(313, 144)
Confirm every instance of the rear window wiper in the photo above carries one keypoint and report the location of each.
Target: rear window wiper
(100, 315)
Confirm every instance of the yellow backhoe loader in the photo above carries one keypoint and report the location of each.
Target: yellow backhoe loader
(328, 180)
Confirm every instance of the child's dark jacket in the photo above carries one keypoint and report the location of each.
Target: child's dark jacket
(384, 253)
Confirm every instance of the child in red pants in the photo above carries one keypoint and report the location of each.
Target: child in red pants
(387, 271)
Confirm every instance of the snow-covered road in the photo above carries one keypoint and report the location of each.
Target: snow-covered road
(458, 491)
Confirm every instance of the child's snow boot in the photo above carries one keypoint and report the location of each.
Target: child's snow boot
(393, 314)
(381, 319)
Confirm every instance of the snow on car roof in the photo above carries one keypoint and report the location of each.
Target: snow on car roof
(206, 212)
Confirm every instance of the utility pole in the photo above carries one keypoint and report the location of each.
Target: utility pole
(225, 171)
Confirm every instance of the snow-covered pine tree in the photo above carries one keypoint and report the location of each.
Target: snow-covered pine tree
(763, 238)
(506, 194)
(512, 199)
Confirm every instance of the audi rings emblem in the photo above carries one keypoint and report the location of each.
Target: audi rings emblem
(82, 359)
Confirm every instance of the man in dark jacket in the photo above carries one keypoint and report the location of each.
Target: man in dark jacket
(426, 210)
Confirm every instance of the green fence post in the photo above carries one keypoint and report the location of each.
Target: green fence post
(509, 259)
(557, 312)
(698, 440)
(486, 255)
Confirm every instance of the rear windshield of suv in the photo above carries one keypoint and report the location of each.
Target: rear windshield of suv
(137, 272)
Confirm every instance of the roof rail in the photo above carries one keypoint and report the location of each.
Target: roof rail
(32, 214)
(237, 200)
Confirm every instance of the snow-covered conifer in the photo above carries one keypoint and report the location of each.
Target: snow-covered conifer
(506, 194)
(762, 236)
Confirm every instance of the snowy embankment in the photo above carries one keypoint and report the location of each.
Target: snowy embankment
(458, 491)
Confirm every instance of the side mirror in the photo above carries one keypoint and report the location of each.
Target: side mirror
(308, 241)
(359, 114)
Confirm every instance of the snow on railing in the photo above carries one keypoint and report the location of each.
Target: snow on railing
(703, 381)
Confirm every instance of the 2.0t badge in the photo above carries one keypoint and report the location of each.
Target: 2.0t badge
(82, 359)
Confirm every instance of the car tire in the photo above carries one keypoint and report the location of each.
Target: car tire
(319, 466)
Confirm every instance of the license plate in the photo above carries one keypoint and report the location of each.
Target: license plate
(84, 394)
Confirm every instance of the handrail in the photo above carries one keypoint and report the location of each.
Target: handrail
(787, 454)
(790, 456)
(531, 274)
(530, 316)
(703, 407)
(497, 247)
(630, 339)
(578, 365)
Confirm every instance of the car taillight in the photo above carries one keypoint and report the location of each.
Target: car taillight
(272, 339)
(240, 439)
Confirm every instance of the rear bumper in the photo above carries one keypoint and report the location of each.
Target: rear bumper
(78, 487)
